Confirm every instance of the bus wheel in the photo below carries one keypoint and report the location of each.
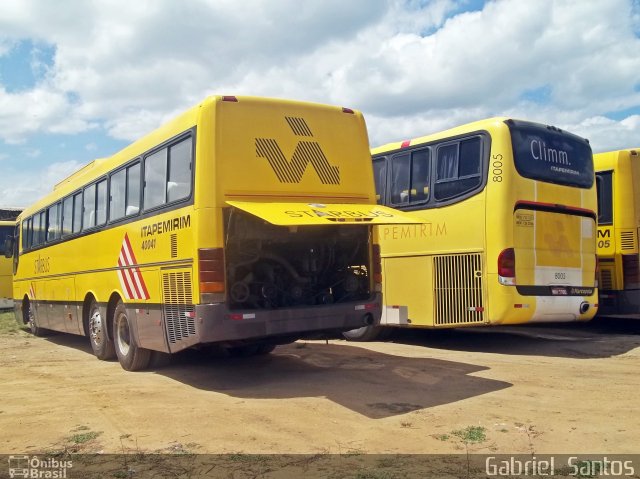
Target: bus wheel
(131, 356)
(265, 348)
(29, 318)
(366, 333)
(102, 346)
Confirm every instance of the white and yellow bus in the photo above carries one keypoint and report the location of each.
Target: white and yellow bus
(244, 222)
(618, 184)
(509, 234)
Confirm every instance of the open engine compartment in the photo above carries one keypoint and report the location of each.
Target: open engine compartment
(269, 266)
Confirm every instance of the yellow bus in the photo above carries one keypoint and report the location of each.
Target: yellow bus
(8, 217)
(509, 234)
(244, 222)
(6, 267)
(618, 185)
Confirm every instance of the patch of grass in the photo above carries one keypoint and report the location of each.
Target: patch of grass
(8, 323)
(84, 437)
(471, 434)
(442, 437)
(405, 424)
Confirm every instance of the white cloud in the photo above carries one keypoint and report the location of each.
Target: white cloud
(411, 67)
(22, 188)
(39, 110)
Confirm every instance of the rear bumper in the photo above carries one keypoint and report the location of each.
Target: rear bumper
(216, 323)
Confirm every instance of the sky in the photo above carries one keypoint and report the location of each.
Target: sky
(81, 79)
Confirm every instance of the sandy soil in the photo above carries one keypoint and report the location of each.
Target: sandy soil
(560, 389)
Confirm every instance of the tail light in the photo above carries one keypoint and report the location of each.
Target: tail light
(507, 267)
(377, 264)
(211, 267)
(597, 283)
(631, 271)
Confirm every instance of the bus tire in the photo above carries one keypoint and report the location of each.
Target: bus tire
(130, 355)
(102, 346)
(366, 333)
(29, 318)
(265, 348)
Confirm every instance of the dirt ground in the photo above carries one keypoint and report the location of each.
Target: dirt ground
(544, 389)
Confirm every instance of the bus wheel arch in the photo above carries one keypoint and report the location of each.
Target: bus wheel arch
(370, 332)
(96, 327)
(131, 356)
(29, 317)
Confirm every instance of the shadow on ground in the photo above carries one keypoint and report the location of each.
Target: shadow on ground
(601, 338)
(374, 384)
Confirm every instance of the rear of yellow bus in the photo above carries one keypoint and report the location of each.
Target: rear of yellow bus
(542, 263)
(285, 207)
(618, 183)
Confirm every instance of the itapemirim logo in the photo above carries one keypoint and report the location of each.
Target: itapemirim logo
(36, 467)
(291, 171)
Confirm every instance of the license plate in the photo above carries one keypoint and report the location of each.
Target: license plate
(559, 291)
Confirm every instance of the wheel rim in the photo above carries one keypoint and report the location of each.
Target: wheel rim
(123, 335)
(31, 319)
(96, 328)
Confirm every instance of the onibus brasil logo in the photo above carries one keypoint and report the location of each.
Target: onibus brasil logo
(36, 467)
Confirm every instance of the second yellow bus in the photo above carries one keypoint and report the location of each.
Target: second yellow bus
(510, 227)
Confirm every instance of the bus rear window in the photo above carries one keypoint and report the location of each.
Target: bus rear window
(604, 187)
(551, 155)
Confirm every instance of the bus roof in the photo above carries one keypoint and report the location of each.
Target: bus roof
(183, 122)
(494, 122)
(458, 130)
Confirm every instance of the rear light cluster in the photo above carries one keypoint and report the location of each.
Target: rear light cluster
(507, 267)
(211, 267)
(377, 265)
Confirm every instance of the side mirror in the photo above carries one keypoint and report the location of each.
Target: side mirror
(8, 247)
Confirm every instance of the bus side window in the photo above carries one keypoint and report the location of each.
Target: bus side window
(26, 233)
(420, 174)
(67, 215)
(101, 202)
(458, 168)
(89, 207)
(133, 190)
(77, 212)
(39, 225)
(179, 181)
(53, 224)
(155, 180)
(380, 178)
(400, 178)
(117, 199)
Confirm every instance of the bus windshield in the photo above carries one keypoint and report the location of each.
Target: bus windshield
(551, 155)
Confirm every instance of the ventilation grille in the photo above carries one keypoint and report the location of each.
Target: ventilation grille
(178, 306)
(174, 245)
(606, 279)
(458, 289)
(627, 240)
